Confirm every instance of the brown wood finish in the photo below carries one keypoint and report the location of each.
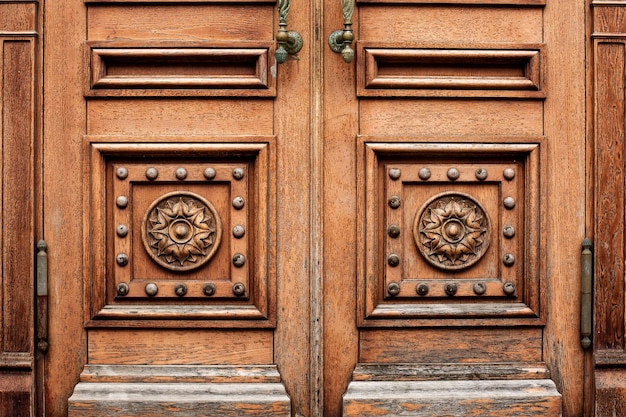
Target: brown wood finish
(326, 322)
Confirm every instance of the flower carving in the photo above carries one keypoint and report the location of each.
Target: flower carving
(452, 231)
(181, 231)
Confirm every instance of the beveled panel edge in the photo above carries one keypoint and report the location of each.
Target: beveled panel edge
(369, 84)
(99, 54)
(372, 311)
(260, 312)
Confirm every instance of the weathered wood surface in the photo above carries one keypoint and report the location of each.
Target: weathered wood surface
(529, 398)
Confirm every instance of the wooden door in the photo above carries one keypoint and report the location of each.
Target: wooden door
(396, 235)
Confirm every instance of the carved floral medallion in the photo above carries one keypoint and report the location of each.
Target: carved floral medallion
(452, 231)
(181, 231)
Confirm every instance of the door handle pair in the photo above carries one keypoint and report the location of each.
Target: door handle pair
(290, 42)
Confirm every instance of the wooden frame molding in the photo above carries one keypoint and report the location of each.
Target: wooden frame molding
(402, 70)
(127, 69)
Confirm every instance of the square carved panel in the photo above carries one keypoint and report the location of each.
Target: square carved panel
(184, 231)
(450, 231)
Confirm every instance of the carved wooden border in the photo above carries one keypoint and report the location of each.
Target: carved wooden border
(103, 308)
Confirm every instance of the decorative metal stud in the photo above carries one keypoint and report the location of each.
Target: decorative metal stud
(508, 259)
(121, 259)
(393, 230)
(238, 203)
(480, 288)
(239, 231)
(394, 173)
(152, 173)
(151, 289)
(239, 260)
(394, 202)
(122, 173)
(121, 201)
(209, 173)
(481, 174)
(453, 174)
(393, 260)
(450, 288)
(121, 230)
(181, 173)
(508, 288)
(238, 173)
(509, 174)
(422, 289)
(424, 174)
(122, 289)
(508, 231)
(239, 289)
(393, 289)
(208, 289)
(509, 203)
(180, 290)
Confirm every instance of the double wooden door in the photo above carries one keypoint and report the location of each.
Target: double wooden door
(229, 235)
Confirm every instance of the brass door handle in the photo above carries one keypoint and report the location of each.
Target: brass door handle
(289, 41)
(340, 40)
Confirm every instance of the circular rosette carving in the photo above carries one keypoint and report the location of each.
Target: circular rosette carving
(452, 230)
(181, 231)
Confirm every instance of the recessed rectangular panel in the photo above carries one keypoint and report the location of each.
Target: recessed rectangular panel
(451, 231)
(118, 69)
(398, 70)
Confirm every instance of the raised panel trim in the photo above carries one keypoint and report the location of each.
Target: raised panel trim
(127, 69)
(404, 70)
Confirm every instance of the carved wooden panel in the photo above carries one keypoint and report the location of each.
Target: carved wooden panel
(186, 231)
(410, 70)
(451, 231)
(180, 69)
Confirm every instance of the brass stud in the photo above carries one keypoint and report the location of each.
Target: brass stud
(450, 288)
(239, 260)
(121, 259)
(508, 288)
(509, 203)
(393, 260)
(480, 288)
(122, 289)
(122, 173)
(152, 173)
(121, 201)
(508, 259)
(209, 173)
(509, 174)
(508, 231)
(393, 230)
(238, 173)
(151, 289)
(394, 202)
(239, 289)
(394, 173)
(208, 289)
(453, 174)
(121, 230)
(181, 173)
(422, 289)
(239, 231)
(481, 174)
(393, 289)
(180, 290)
(424, 174)
(238, 203)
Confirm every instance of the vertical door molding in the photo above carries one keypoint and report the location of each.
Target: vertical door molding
(609, 54)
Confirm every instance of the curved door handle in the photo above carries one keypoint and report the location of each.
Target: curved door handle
(289, 41)
(340, 40)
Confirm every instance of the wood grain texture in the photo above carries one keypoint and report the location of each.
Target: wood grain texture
(18, 17)
(519, 398)
(610, 393)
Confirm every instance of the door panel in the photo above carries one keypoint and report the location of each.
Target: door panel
(314, 237)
